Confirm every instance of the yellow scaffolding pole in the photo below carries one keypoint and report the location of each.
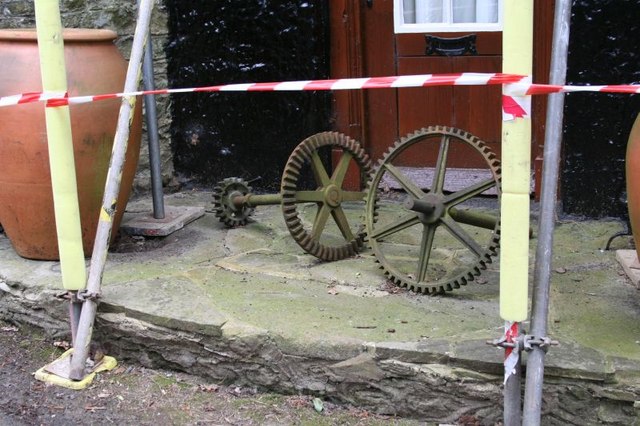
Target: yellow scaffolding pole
(517, 36)
(61, 160)
(517, 45)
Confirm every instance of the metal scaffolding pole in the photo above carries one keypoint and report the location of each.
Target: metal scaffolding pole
(152, 131)
(112, 187)
(551, 165)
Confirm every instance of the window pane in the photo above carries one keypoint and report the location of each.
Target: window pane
(464, 11)
(415, 16)
(429, 11)
(487, 11)
(409, 11)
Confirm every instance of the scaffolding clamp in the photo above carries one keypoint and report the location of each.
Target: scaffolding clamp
(529, 341)
(524, 342)
(502, 343)
(84, 295)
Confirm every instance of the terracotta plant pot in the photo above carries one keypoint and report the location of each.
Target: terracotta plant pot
(94, 66)
(632, 169)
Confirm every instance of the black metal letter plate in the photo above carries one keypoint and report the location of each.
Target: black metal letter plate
(456, 46)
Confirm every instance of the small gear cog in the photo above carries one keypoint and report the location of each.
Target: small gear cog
(230, 213)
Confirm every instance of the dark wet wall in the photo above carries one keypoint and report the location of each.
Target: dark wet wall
(241, 134)
(604, 48)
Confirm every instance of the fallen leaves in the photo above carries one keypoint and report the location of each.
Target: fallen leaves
(62, 344)
(119, 370)
(318, 405)
(94, 408)
(332, 290)
(209, 388)
(298, 401)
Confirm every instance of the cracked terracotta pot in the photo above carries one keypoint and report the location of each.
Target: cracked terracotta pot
(94, 66)
(632, 169)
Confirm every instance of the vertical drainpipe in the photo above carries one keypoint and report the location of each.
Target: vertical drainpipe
(517, 42)
(61, 159)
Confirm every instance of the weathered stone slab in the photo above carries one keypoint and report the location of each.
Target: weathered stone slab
(175, 303)
(629, 261)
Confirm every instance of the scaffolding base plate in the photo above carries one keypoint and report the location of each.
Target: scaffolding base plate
(175, 218)
(57, 372)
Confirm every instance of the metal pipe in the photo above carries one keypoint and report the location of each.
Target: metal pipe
(152, 132)
(477, 218)
(551, 166)
(112, 187)
(418, 205)
(474, 218)
(75, 310)
(512, 390)
(254, 200)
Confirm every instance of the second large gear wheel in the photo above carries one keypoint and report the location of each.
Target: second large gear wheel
(434, 228)
(324, 217)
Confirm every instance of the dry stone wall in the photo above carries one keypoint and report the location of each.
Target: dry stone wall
(377, 377)
(118, 16)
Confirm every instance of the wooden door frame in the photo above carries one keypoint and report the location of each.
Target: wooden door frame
(346, 61)
(543, 35)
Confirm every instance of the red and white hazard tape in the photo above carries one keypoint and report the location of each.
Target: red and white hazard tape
(514, 104)
(544, 89)
(516, 89)
(511, 354)
(26, 98)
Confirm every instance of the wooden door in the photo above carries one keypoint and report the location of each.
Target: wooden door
(364, 43)
(476, 109)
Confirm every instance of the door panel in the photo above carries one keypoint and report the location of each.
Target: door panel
(395, 113)
(381, 108)
(388, 114)
(475, 109)
(422, 107)
(478, 109)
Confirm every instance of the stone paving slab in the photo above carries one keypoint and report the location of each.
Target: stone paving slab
(629, 261)
(248, 306)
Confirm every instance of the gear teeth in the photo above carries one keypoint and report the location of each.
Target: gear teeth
(299, 158)
(372, 210)
(227, 213)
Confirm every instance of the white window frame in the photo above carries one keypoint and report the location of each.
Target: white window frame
(443, 27)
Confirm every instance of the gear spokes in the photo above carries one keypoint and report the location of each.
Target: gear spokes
(442, 233)
(336, 230)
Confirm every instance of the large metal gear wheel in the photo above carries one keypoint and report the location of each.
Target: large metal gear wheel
(226, 210)
(431, 233)
(328, 240)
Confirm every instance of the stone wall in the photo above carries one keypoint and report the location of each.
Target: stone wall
(391, 378)
(118, 16)
(251, 135)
